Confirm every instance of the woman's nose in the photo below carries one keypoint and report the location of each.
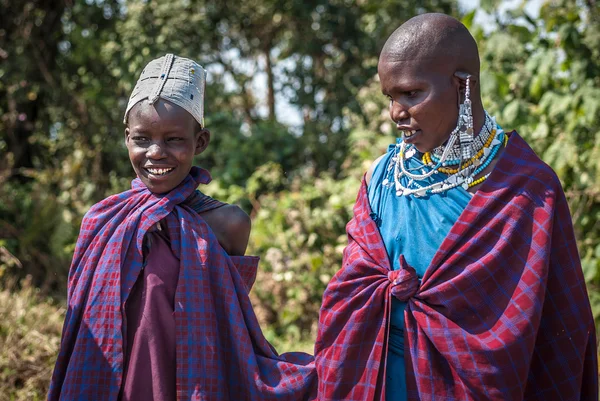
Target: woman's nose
(398, 112)
(155, 151)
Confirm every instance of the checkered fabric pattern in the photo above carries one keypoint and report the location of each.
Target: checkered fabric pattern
(502, 312)
(221, 351)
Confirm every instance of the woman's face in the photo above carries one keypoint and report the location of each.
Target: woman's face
(423, 100)
(162, 140)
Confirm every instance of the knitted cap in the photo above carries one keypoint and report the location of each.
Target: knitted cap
(178, 80)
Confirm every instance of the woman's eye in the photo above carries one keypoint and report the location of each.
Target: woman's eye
(139, 138)
(411, 93)
(175, 139)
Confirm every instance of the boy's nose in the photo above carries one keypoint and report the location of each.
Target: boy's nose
(155, 151)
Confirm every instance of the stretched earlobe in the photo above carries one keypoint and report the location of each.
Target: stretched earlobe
(464, 81)
(463, 77)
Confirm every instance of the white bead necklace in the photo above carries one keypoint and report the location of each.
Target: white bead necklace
(463, 177)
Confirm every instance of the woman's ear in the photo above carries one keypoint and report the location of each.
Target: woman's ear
(460, 79)
(462, 76)
(126, 135)
(202, 140)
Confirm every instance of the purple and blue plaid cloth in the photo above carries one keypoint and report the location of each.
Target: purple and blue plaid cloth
(221, 351)
(501, 313)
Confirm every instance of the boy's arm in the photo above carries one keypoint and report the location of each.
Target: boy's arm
(231, 226)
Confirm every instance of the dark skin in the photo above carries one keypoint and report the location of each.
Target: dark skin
(162, 140)
(423, 69)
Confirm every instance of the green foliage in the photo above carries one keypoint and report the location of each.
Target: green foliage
(235, 158)
(68, 67)
(36, 227)
(299, 234)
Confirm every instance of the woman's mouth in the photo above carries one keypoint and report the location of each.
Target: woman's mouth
(159, 171)
(408, 136)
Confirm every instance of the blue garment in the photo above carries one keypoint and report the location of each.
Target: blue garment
(413, 227)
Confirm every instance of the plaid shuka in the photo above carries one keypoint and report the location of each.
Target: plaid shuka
(220, 349)
(501, 313)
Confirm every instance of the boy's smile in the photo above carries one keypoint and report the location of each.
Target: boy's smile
(162, 140)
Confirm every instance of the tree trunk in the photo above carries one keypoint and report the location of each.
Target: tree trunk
(270, 83)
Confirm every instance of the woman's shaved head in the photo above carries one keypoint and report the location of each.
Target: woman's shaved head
(436, 38)
(422, 70)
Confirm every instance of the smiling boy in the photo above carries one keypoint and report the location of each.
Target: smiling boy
(158, 305)
(162, 140)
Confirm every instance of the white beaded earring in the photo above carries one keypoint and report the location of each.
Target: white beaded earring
(465, 123)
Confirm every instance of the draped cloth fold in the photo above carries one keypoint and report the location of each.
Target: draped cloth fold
(501, 313)
(220, 350)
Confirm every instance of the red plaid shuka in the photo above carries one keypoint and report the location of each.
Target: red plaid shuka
(501, 313)
(220, 350)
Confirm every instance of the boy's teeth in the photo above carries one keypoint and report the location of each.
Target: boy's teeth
(159, 171)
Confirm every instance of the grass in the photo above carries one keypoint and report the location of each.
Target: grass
(30, 330)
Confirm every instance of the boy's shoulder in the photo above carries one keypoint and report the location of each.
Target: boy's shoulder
(231, 226)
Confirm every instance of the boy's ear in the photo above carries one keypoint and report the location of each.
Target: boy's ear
(202, 140)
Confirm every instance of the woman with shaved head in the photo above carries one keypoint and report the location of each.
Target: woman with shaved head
(461, 279)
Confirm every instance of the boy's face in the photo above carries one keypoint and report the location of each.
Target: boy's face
(162, 140)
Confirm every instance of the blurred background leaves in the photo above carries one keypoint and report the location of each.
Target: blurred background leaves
(296, 116)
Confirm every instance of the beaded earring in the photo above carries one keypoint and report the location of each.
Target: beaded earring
(465, 123)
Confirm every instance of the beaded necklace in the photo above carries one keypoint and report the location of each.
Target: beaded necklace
(456, 153)
(429, 159)
(484, 148)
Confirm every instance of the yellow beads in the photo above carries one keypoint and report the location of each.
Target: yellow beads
(478, 181)
(448, 170)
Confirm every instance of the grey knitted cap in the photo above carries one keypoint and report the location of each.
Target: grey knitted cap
(178, 80)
